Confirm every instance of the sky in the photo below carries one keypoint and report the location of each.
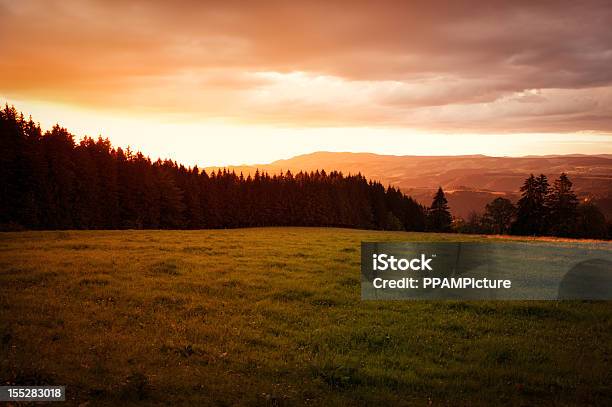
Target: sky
(228, 82)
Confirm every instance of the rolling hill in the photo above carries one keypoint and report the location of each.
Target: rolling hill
(470, 181)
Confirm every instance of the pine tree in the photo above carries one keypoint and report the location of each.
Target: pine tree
(439, 218)
(562, 205)
(543, 212)
(170, 197)
(532, 210)
(10, 143)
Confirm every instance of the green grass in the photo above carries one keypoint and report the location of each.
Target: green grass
(274, 317)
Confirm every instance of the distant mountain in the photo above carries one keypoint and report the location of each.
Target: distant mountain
(471, 181)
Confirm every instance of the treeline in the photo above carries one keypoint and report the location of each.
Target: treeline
(48, 181)
(542, 210)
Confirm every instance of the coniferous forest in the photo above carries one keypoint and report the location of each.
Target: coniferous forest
(49, 181)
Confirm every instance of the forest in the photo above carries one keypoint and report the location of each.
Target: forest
(544, 209)
(50, 181)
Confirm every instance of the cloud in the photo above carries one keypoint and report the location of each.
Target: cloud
(473, 65)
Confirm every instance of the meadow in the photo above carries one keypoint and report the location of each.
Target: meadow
(273, 316)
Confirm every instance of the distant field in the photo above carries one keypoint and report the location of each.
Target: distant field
(274, 316)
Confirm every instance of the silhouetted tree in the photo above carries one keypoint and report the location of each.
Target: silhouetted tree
(532, 212)
(562, 207)
(499, 215)
(590, 222)
(439, 218)
(49, 181)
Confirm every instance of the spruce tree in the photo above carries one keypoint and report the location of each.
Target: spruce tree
(439, 218)
(562, 205)
(532, 211)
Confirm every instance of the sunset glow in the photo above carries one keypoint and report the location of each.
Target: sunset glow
(306, 202)
(233, 84)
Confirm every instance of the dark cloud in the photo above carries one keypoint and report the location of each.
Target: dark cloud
(449, 56)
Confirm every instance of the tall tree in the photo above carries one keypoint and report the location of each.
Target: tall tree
(170, 197)
(532, 211)
(562, 205)
(439, 218)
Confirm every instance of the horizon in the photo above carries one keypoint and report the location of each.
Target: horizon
(192, 161)
(212, 86)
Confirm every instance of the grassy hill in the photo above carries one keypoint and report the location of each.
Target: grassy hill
(273, 316)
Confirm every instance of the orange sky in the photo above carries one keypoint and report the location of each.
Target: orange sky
(238, 82)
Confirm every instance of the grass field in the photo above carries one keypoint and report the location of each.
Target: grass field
(274, 317)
